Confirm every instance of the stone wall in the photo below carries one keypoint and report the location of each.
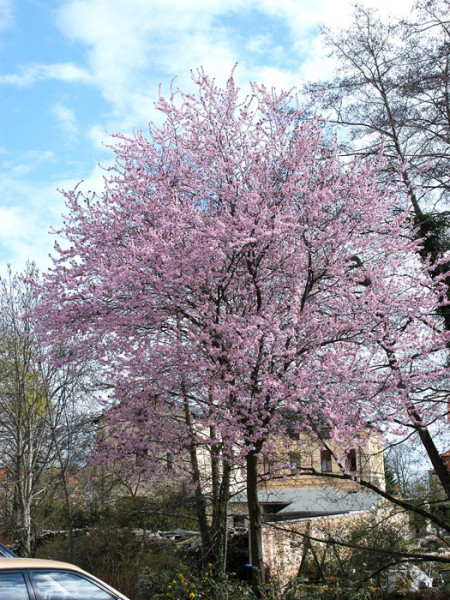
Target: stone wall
(284, 542)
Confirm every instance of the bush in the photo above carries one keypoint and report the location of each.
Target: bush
(115, 556)
(180, 585)
(165, 513)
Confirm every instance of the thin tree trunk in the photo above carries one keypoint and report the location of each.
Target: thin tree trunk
(26, 487)
(26, 523)
(439, 466)
(255, 527)
(219, 523)
(66, 496)
(200, 503)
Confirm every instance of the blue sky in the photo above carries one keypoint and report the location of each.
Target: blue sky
(70, 70)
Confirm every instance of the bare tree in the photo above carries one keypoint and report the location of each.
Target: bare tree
(392, 90)
(39, 421)
(404, 464)
(391, 93)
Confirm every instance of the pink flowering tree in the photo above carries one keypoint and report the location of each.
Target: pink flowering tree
(235, 270)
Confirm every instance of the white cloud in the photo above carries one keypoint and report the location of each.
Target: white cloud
(66, 118)
(98, 137)
(272, 77)
(29, 211)
(32, 73)
(31, 160)
(259, 43)
(24, 228)
(338, 13)
(126, 40)
(135, 45)
(6, 17)
(12, 221)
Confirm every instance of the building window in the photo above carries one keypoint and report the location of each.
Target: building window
(295, 460)
(350, 462)
(293, 434)
(267, 465)
(325, 434)
(325, 461)
(238, 520)
(169, 461)
(140, 457)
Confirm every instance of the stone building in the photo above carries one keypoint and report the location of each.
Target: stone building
(303, 476)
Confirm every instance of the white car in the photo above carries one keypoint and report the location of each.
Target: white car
(35, 579)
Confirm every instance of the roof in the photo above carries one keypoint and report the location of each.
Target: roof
(308, 502)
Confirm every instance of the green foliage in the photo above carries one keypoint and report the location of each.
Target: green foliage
(442, 511)
(180, 584)
(51, 512)
(365, 558)
(391, 483)
(116, 556)
(436, 227)
(422, 526)
(375, 534)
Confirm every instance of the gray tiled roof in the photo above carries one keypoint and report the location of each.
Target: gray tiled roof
(314, 501)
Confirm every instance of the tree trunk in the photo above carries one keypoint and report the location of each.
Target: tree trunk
(219, 520)
(416, 421)
(23, 528)
(66, 496)
(255, 526)
(200, 503)
(24, 486)
(439, 466)
(26, 526)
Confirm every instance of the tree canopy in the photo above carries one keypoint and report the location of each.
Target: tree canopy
(236, 265)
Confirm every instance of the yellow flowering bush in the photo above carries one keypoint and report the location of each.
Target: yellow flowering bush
(183, 585)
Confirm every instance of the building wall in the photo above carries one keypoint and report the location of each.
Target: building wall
(290, 462)
(287, 464)
(284, 545)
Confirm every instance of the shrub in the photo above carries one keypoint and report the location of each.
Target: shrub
(180, 585)
(115, 556)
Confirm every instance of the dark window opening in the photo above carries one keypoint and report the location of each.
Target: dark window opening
(351, 460)
(325, 434)
(325, 460)
(239, 520)
(140, 457)
(169, 461)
